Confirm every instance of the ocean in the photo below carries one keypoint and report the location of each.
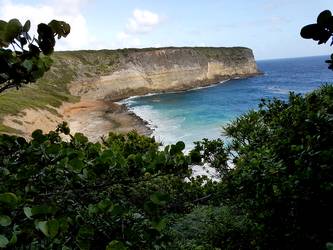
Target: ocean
(202, 113)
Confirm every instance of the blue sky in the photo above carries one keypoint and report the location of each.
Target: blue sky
(269, 27)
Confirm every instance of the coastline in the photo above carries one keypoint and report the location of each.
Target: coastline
(95, 118)
(93, 83)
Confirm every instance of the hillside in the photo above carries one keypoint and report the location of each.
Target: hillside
(82, 85)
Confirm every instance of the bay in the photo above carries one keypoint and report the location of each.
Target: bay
(201, 113)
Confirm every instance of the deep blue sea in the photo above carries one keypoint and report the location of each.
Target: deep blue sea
(201, 113)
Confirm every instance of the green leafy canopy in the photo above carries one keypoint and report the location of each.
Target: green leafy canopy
(24, 59)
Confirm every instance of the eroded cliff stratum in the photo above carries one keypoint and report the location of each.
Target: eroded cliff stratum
(81, 85)
(168, 69)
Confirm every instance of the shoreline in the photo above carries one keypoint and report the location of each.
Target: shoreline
(95, 118)
(151, 127)
(91, 82)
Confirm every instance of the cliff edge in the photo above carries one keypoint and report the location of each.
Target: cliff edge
(140, 72)
(81, 86)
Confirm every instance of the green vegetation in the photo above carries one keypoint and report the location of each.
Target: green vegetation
(125, 193)
(28, 60)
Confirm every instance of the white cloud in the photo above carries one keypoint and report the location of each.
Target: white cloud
(65, 10)
(142, 21)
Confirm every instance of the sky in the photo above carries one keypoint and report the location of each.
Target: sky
(269, 27)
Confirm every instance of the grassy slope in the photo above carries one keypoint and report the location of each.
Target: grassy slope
(50, 91)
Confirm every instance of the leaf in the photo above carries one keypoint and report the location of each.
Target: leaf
(13, 239)
(61, 28)
(116, 245)
(84, 237)
(3, 241)
(26, 26)
(160, 225)
(329, 246)
(3, 25)
(13, 30)
(43, 209)
(105, 205)
(9, 199)
(38, 136)
(53, 228)
(5, 220)
(80, 138)
(28, 64)
(116, 210)
(46, 39)
(27, 211)
(34, 50)
(159, 198)
(43, 227)
(309, 31)
(324, 17)
(76, 164)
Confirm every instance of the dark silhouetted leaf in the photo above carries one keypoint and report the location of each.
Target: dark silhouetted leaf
(324, 17)
(26, 26)
(310, 31)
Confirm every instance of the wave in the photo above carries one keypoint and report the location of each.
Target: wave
(131, 98)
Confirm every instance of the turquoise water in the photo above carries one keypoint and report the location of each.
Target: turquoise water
(201, 113)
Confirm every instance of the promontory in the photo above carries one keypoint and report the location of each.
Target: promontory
(82, 86)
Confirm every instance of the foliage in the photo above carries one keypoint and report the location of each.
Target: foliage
(283, 172)
(29, 59)
(126, 193)
(78, 194)
(321, 31)
(211, 227)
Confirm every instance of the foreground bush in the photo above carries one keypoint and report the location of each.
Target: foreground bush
(76, 194)
(125, 193)
(283, 176)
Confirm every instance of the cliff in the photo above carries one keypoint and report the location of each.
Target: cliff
(138, 72)
(81, 86)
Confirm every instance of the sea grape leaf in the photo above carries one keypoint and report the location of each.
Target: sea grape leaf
(116, 245)
(26, 26)
(43, 227)
(53, 228)
(5, 220)
(324, 17)
(13, 30)
(309, 31)
(159, 198)
(3, 241)
(43, 209)
(9, 199)
(27, 211)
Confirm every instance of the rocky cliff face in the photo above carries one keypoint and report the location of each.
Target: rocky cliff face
(167, 69)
